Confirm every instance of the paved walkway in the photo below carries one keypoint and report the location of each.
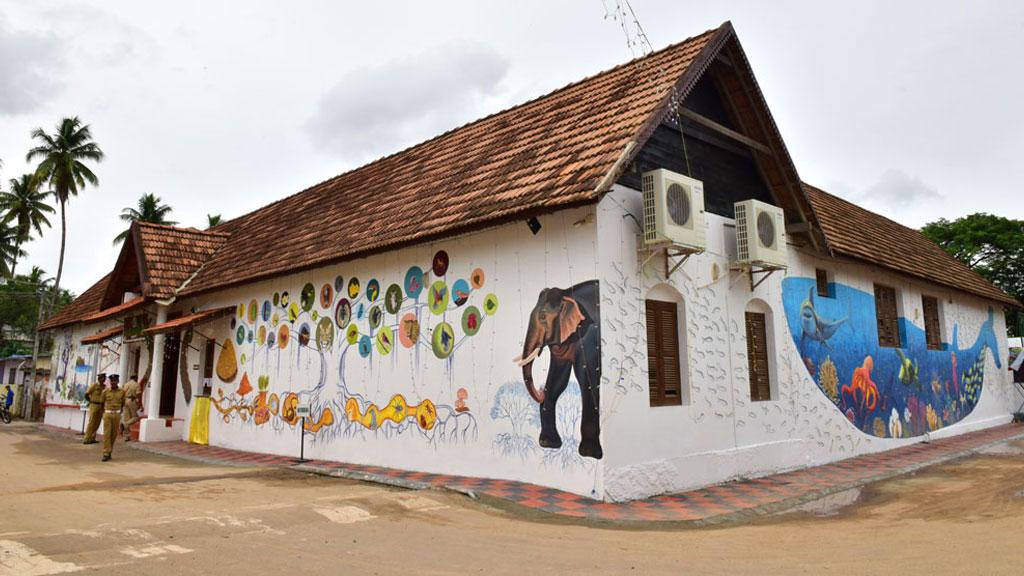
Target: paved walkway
(714, 504)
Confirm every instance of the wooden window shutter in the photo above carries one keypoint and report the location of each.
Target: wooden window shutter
(208, 359)
(663, 361)
(757, 357)
(888, 322)
(821, 278)
(932, 326)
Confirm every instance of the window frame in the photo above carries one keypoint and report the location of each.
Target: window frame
(760, 387)
(884, 342)
(936, 342)
(656, 354)
(819, 275)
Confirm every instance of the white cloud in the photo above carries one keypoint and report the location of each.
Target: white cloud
(379, 110)
(29, 68)
(897, 189)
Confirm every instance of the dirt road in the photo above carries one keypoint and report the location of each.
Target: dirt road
(62, 510)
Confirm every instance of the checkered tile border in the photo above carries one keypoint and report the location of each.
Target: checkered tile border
(714, 503)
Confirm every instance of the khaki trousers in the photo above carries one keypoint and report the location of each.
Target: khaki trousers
(95, 417)
(111, 426)
(131, 413)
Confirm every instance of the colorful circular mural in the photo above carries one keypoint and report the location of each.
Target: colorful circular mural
(372, 289)
(414, 282)
(326, 296)
(267, 309)
(393, 299)
(365, 346)
(240, 335)
(471, 320)
(324, 334)
(460, 292)
(352, 334)
(408, 330)
(304, 333)
(353, 287)
(376, 315)
(282, 336)
(254, 311)
(343, 314)
(443, 340)
(339, 284)
(437, 298)
(490, 304)
(440, 263)
(385, 341)
(476, 278)
(307, 297)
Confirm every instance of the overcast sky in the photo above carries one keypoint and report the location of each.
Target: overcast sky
(910, 108)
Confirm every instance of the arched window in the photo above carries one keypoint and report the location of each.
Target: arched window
(666, 347)
(760, 351)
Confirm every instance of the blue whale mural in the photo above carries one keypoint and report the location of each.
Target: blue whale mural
(886, 392)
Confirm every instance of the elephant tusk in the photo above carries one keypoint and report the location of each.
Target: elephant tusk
(520, 361)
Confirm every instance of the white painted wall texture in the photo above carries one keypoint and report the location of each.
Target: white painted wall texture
(451, 400)
(467, 413)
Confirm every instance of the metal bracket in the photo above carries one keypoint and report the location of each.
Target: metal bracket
(675, 256)
(751, 269)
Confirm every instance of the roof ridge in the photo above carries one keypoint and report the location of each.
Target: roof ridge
(508, 110)
(143, 223)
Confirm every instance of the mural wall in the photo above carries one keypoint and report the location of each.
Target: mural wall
(816, 347)
(886, 392)
(429, 359)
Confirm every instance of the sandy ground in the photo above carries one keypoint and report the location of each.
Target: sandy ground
(62, 510)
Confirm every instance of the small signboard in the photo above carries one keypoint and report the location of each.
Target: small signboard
(302, 410)
(84, 406)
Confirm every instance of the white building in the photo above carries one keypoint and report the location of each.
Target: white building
(438, 309)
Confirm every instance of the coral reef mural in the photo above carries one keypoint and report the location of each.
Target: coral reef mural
(885, 392)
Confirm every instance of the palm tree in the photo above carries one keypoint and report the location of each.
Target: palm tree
(149, 210)
(62, 163)
(26, 205)
(10, 249)
(212, 220)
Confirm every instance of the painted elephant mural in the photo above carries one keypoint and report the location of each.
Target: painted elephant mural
(886, 392)
(567, 322)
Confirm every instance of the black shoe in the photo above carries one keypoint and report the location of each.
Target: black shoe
(105, 457)
(91, 442)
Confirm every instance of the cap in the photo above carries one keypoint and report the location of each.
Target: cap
(114, 377)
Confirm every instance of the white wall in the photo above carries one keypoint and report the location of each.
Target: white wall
(74, 366)
(497, 436)
(721, 434)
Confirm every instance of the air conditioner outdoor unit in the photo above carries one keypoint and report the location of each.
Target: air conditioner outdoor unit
(673, 209)
(760, 234)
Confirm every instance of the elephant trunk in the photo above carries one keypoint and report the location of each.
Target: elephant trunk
(531, 349)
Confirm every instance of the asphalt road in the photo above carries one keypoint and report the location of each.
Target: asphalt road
(62, 510)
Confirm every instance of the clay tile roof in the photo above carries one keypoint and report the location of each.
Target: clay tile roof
(552, 152)
(172, 255)
(858, 233)
(104, 335)
(86, 304)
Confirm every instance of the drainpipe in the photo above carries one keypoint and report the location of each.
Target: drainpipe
(152, 424)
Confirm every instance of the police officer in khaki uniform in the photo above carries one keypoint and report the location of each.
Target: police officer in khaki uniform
(94, 394)
(132, 401)
(113, 403)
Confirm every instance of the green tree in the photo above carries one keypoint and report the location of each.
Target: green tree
(62, 163)
(10, 249)
(25, 204)
(148, 209)
(992, 246)
(20, 298)
(213, 220)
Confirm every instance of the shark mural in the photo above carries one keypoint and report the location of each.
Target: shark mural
(886, 392)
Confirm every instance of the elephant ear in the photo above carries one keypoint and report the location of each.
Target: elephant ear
(569, 318)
